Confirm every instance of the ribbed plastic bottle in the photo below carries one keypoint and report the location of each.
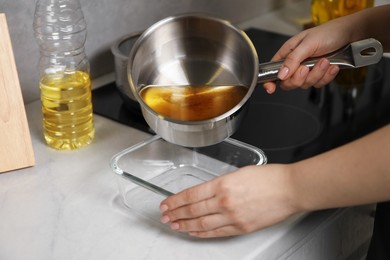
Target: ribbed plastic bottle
(60, 30)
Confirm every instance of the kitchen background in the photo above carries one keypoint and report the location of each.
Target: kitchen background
(108, 20)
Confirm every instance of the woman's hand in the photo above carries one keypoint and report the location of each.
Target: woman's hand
(313, 42)
(246, 200)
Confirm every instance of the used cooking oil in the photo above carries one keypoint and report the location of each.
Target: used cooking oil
(67, 110)
(192, 103)
(326, 10)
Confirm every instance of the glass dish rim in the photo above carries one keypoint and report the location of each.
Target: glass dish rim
(156, 189)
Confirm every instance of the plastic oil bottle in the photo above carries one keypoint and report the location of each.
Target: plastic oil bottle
(60, 30)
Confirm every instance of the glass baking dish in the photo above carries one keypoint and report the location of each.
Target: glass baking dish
(153, 169)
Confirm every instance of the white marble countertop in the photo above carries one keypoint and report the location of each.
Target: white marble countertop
(67, 206)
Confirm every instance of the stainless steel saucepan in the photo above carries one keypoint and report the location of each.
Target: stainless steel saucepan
(198, 50)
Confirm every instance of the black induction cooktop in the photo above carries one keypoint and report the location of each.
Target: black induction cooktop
(287, 125)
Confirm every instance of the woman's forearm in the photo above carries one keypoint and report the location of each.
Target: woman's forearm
(353, 174)
(370, 23)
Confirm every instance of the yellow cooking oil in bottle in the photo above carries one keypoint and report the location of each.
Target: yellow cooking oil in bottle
(64, 74)
(326, 10)
(67, 110)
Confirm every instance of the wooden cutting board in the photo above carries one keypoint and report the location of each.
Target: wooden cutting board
(16, 149)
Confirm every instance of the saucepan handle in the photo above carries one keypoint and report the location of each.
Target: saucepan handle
(357, 54)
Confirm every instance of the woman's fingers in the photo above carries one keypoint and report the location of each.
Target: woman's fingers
(188, 196)
(270, 87)
(331, 73)
(194, 210)
(218, 232)
(203, 223)
(320, 75)
(214, 225)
